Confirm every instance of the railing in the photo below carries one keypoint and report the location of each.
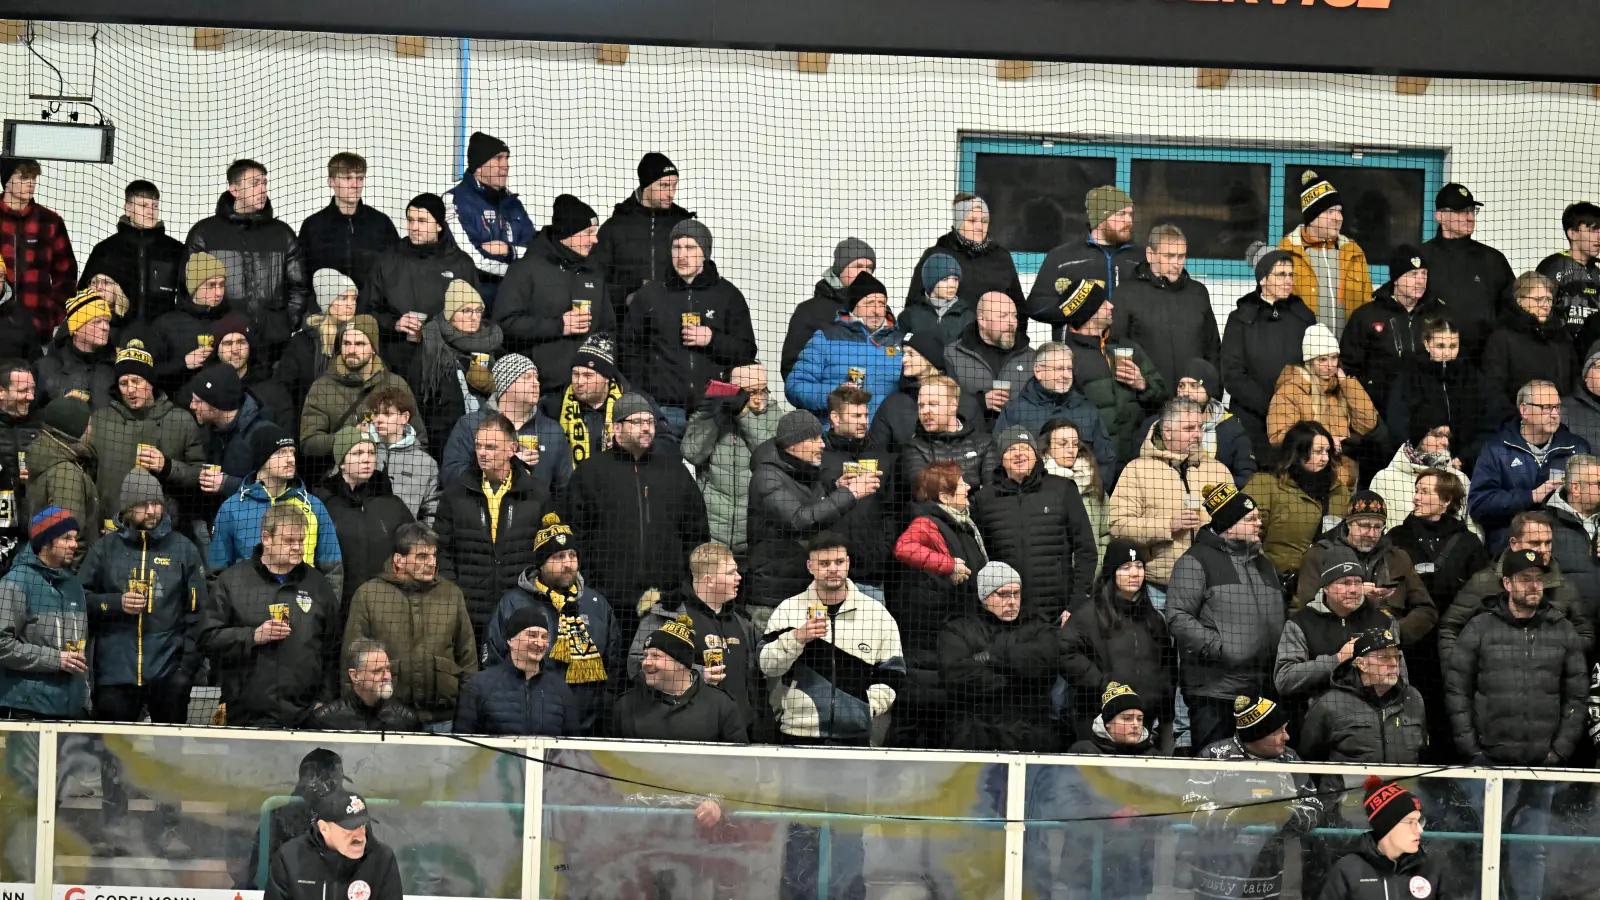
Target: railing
(533, 818)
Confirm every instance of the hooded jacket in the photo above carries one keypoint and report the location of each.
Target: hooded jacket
(41, 609)
(1484, 585)
(831, 353)
(1367, 874)
(237, 529)
(408, 278)
(1171, 319)
(1136, 650)
(1033, 407)
(503, 700)
(1291, 519)
(985, 269)
(1516, 688)
(1350, 722)
(702, 713)
(1224, 439)
(306, 868)
(636, 521)
(1521, 350)
(413, 474)
(1100, 743)
(1508, 470)
(1259, 340)
(277, 684)
(969, 447)
(727, 629)
(1039, 526)
(338, 399)
(161, 641)
(1225, 611)
(538, 290)
(346, 243)
(365, 518)
(595, 698)
(895, 422)
(921, 315)
(720, 443)
(1151, 493)
(1354, 289)
(1081, 258)
(834, 686)
(1121, 407)
(1309, 646)
(61, 472)
(268, 281)
(65, 369)
(1381, 337)
(485, 215)
(229, 446)
(486, 559)
(1387, 566)
(653, 353)
(997, 676)
(426, 629)
(1454, 389)
(635, 245)
(116, 433)
(976, 366)
(145, 262)
(790, 503)
(828, 300)
(1340, 405)
(554, 468)
(1575, 547)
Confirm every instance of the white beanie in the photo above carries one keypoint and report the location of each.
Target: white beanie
(1318, 341)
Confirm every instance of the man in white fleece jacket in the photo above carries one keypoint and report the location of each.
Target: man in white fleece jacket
(832, 654)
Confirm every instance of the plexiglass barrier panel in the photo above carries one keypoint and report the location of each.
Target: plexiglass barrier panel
(1112, 833)
(626, 823)
(1551, 843)
(197, 812)
(19, 808)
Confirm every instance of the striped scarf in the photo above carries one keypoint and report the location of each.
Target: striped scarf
(573, 647)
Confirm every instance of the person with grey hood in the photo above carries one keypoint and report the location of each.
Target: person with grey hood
(851, 258)
(720, 440)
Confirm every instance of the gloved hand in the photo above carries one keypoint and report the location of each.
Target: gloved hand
(1304, 815)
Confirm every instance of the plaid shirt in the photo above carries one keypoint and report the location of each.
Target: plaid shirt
(39, 262)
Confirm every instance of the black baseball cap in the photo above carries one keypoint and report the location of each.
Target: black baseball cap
(1454, 198)
(342, 808)
(1521, 561)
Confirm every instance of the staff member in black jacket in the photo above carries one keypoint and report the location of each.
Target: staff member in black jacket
(337, 859)
(1390, 862)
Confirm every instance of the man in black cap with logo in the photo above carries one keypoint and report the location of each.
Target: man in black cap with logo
(1471, 276)
(636, 243)
(337, 859)
(554, 297)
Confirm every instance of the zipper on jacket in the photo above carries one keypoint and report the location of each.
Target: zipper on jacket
(144, 277)
(643, 493)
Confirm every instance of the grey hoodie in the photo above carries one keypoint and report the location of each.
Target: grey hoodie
(413, 474)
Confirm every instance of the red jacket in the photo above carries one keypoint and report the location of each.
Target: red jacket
(922, 547)
(39, 262)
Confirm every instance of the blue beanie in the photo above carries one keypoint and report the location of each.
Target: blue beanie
(937, 268)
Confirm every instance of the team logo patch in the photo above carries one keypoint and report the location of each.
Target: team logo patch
(1416, 261)
(1378, 327)
(162, 561)
(359, 890)
(1421, 887)
(303, 600)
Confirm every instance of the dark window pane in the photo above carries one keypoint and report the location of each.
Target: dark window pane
(1383, 208)
(1036, 202)
(1221, 207)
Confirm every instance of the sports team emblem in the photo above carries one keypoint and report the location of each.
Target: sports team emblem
(303, 600)
(359, 890)
(1421, 887)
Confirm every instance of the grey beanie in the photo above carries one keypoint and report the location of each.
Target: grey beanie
(695, 231)
(796, 426)
(328, 284)
(1016, 434)
(630, 404)
(995, 576)
(1594, 357)
(140, 487)
(849, 250)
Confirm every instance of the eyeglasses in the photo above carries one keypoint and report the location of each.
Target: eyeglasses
(1543, 407)
(760, 392)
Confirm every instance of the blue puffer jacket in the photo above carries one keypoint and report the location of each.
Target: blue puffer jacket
(159, 642)
(828, 357)
(502, 700)
(470, 214)
(1507, 472)
(41, 610)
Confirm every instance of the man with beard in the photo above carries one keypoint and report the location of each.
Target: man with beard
(988, 360)
(140, 428)
(587, 647)
(424, 618)
(944, 434)
(635, 244)
(585, 410)
(368, 700)
(1106, 254)
(80, 360)
(336, 399)
(338, 858)
(847, 445)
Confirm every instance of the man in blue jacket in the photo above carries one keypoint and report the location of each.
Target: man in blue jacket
(519, 696)
(238, 525)
(1050, 394)
(42, 625)
(861, 348)
(492, 219)
(1522, 465)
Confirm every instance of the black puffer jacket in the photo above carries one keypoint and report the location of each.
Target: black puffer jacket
(811, 316)
(279, 684)
(537, 291)
(186, 326)
(1521, 350)
(485, 562)
(364, 518)
(895, 423)
(654, 355)
(1369, 875)
(503, 700)
(15, 436)
(635, 247)
(1135, 650)
(306, 868)
(703, 713)
(1258, 341)
(790, 503)
(267, 277)
(1041, 527)
(982, 271)
(1449, 551)
(866, 525)
(65, 368)
(350, 244)
(145, 263)
(970, 447)
(411, 278)
(1170, 318)
(1516, 687)
(1381, 338)
(350, 713)
(1350, 722)
(997, 677)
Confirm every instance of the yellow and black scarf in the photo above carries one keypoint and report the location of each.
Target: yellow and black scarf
(578, 437)
(573, 645)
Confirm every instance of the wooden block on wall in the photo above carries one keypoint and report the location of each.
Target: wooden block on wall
(209, 38)
(410, 45)
(814, 63)
(1013, 69)
(11, 30)
(1212, 79)
(611, 54)
(1411, 85)
(1596, 89)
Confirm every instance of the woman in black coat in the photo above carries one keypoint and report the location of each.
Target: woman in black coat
(1442, 384)
(1037, 522)
(1121, 637)
(364, 510)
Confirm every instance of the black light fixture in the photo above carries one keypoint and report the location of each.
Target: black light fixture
(65, 141)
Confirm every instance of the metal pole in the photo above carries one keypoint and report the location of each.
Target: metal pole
(44, 842)
(533, 820)
(1493, 814)
(1016, 831)
(461, 129)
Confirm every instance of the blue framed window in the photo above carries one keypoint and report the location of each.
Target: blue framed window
(1224, 198)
